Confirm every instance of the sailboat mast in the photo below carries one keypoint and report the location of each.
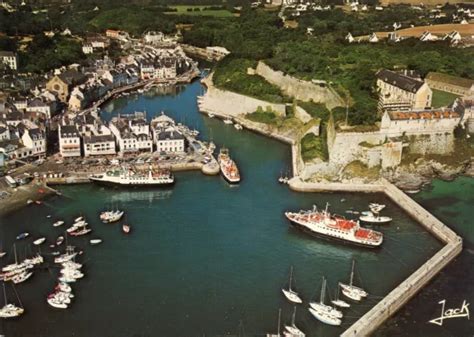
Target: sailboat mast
(352, 273)
(14, 252)
(323, 290)
(293, 318)
(291, 277)
(279, 321)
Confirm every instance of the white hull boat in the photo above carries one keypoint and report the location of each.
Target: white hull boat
(95, 241)
(39, 241)
(291, 295)
(325, 317)
(58, 223)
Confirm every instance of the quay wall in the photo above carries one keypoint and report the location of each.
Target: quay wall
(302, 90)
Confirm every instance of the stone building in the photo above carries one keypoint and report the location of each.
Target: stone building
(455, 85)
(398, 92)
(62, 84)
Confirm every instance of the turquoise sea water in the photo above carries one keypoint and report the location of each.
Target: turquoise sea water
(204, 257)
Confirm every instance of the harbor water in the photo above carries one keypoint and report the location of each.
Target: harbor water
(208, 259)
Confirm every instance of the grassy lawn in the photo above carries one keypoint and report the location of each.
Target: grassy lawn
(265, 117)
(442, 98)
(199, 10)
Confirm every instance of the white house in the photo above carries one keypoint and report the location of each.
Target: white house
(132, 133)
(428, 37)
(87, 48)
(99, 145)
(153, 37)
(170, 140)
(373, 38)
(349, 38)
(35, 139)
(10, 59)
(69, 141)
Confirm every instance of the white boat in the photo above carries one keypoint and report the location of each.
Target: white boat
(324, 317)
(2, 254)
(22, 277)
(350, 290)
(321, 307)
(79, 219)
(38, 259)
(290, 294)
(293, 329)
(126, 229)
(228, 121)
(15, 265)
(39, 241)
(56, 303)
(59, 240)
(228, 167)
(64, 287)
(95, 241)
(338, 302)
(238, 126)
(211, 115)
(111, 216)
(71, 265)
(58, 223)
(10, 310)
(373, 216)
(80, 232)
(129, 177)
(68, 256)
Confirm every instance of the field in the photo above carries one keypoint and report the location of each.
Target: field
(442, 98)
(199, 11)
(464, 30)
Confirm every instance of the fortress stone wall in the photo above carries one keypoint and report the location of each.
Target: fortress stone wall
(301, 90)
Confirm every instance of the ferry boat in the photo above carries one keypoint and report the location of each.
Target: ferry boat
(128, 177)
(323, 223)
(228, 167)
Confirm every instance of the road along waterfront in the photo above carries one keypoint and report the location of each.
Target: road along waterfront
(203, 255)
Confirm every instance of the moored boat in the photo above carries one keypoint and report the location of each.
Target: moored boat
(39, 241)
(292, 328)
(323, 223)
(350, 290)
(290, 294)
(95, 241)
(228, 167)
(126, 229)
(320, 307)
(373, 216)
(22, 236)
(58, 223)
(129, 177)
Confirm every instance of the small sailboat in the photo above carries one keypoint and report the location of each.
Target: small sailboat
(126, 229)
(278, 329)
(350, 290)
(293, 329)
(95, 241)
(39, 241)
(22, 236)
(291, 295)
(10, 310)
(337, 301)
(22, 277)
(324, 308)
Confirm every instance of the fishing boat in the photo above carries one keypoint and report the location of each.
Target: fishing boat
(324, 308)
(290, 294)
(228, 167)
(95, 241)
(126, 229)
(22, 236)
(39, 241)
(10, 310)
(58, 223)
(129, 177)
(325, 224)
(374, 215)
(350, 290)
(337, 301)
(278, 329)
(293, 329)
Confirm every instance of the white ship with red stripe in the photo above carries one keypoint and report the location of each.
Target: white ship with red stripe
(333, 226)
(229, 168)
